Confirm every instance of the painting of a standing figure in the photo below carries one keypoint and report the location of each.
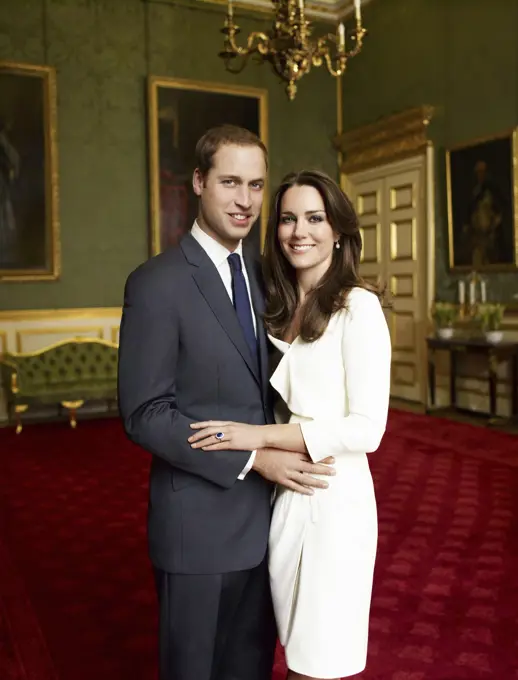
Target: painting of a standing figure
(482, 205)
(29, 238)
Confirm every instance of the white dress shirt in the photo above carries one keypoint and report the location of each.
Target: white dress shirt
(219, 256)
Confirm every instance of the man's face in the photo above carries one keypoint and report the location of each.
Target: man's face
(231, 194)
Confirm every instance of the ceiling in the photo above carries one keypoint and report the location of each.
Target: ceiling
(330, 10)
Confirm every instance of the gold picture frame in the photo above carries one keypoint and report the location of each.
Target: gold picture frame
(179, 112)
(482, 201)
(29, 222)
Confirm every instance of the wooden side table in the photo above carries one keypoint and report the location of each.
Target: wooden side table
(494, 353)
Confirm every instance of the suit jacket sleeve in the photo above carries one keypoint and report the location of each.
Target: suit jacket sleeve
(148, 356)
(366, 351)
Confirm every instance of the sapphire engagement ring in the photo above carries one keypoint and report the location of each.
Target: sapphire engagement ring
(219, 436)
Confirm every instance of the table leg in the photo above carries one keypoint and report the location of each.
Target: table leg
(493, 366)
(514, 385)
(431, 376)
(453, 379)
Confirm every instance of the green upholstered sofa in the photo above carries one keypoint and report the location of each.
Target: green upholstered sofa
(67, 373)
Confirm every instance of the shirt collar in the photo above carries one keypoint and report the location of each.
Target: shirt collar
(217, 253)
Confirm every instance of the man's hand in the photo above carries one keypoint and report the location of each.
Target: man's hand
(292, 470)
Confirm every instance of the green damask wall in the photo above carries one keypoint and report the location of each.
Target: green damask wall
(460, 56)
(103, 50)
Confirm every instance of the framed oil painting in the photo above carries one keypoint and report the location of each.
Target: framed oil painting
(482, 180)
(29, 226)
(179, 112)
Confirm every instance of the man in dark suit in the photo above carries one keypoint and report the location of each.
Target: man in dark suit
(193, 348)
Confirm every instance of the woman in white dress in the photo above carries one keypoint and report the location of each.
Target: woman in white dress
(334, 378)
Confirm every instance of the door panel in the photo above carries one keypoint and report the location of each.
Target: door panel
(404, 217)
(390, 205)
(369, 206)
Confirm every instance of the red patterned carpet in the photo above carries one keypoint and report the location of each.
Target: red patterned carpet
(76, 595)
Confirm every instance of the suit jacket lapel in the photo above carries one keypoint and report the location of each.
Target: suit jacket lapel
(213, 290)
(256, 293)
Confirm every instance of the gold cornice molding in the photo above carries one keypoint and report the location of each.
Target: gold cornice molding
(332, 11)
(390, 139)
(327, 11)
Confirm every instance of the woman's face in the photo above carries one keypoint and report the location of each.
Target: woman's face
(306, 237)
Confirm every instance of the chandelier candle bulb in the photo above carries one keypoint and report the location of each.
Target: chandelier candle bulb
(341, 37)
(358, 10)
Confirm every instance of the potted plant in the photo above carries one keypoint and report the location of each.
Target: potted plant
(490, 316)
(444, 314)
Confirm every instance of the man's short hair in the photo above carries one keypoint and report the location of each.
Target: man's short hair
(223, 135)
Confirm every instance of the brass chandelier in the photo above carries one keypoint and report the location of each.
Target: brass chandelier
(289, 47)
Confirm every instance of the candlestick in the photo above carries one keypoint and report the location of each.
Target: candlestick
(462, 292)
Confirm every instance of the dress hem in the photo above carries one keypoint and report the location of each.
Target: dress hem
(336, 676)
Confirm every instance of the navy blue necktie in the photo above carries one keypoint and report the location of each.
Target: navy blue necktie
(242, 302)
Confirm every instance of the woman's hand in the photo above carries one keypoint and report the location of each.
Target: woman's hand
(215, 435)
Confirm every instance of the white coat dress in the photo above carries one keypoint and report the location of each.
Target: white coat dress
(323, 547)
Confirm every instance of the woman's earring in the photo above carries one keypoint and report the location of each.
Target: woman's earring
(337, 245)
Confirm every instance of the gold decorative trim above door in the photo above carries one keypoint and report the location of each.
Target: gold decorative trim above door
(390, 139)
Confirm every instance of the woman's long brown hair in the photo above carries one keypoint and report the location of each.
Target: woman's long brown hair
(330, 295)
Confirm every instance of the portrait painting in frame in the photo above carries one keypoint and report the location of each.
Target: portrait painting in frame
(179, 112)
(483, 204)
(29, 226)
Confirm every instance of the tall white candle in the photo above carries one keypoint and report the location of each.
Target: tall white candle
(462, 292)
(483, 292)
(230, 9)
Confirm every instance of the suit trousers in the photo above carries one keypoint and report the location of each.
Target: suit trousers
(216, 626)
